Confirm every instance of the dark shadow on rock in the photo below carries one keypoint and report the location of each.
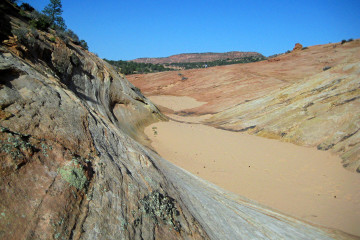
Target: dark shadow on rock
(7, 75)
(5, 26)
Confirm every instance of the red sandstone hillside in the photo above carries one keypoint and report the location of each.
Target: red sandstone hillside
(197, 57)
(309, 97)
(225, 86)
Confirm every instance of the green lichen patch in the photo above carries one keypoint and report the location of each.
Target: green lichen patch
(159, 206)
(14, 144)
(15, 150)
(74, 174)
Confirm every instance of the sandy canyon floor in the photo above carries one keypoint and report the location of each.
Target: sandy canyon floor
(302, 182)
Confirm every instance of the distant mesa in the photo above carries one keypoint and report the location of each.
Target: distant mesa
(198, 57)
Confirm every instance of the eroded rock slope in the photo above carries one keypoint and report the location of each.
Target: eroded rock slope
(322, 110)
(223, 87)
(72, 167)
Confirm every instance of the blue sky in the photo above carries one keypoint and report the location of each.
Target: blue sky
(125, 30)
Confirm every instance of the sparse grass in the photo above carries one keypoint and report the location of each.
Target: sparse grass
(21, 34)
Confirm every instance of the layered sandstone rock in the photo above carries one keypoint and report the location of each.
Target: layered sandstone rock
(321, 111)
(222, 87)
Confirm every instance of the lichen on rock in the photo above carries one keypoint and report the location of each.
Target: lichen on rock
(74, 174)
(156, 205)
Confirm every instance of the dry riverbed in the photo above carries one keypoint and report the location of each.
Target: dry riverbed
(303, 182)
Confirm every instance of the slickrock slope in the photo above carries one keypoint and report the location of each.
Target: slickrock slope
(197, 57)
(322, 111)
(70, 166)
(225, 86)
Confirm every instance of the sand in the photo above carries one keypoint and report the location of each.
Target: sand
(302, 182)
(176, 103)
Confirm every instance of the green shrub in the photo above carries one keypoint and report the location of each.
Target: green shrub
(84, 45)
(21, 34)
(343, 41)
(62, 35)
(39, 21)
(350, 40)
(72, 36)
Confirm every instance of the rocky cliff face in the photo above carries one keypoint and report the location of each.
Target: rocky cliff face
(71, 166)
(197, 57)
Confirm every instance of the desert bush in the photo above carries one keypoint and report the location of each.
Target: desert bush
(343, 41)
(21, 34)
(25, 36)
(73, 36)
(350, 40)
(84, 44)
(304, 48)
(62, 35)
(39, 21)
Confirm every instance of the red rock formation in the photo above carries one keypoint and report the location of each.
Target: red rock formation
(297, 47)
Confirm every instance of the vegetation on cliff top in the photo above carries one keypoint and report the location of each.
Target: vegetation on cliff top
(126, 67)
(49, 18)
(130, 67)
(219, 62)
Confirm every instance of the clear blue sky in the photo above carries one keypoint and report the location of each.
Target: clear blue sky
(129, 29)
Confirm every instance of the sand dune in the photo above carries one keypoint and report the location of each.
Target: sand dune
(303, 182)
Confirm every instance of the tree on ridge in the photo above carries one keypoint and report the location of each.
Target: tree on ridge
(54, 10)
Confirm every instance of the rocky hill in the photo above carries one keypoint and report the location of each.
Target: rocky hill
(322, 111)
(72, 165)
(309, 97)
(197, 57)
